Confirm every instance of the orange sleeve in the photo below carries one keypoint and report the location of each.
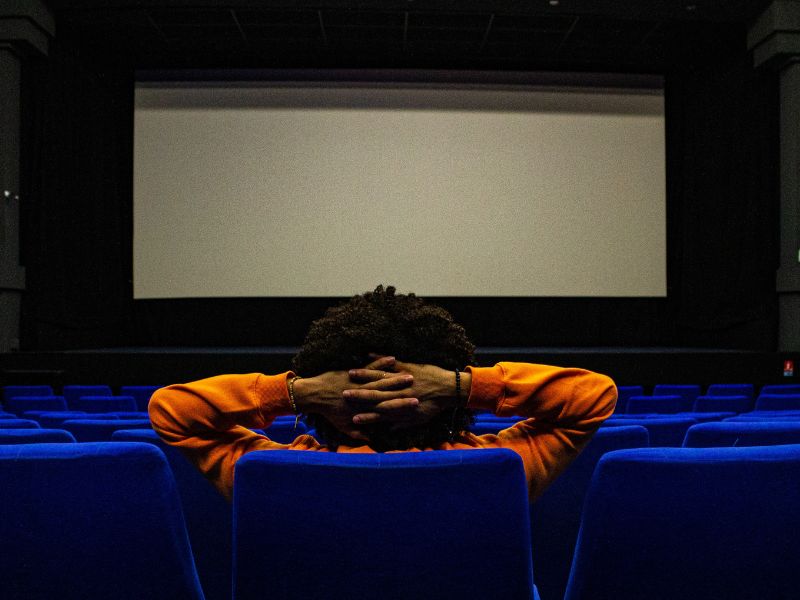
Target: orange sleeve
(209, 420)
(564, 407)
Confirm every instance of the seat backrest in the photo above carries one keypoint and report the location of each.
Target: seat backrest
(782, 415)
(742, 433)
(556, 515)
(285, 431)
(21, 404)
(638, 405)
(624, 392)
(663, 431)
(104, 404)
(19, 424)
(720, 403)
(141, 393)
(35, 436)
(778, 402)
(436, 524)
(207, 513)
(688, 392)
(731, 389)
(781, 388)
(690, 523)
(92, 521)
(71, 393)
(13, 391)
(100, 430)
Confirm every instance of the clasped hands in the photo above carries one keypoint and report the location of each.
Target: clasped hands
(386, 391)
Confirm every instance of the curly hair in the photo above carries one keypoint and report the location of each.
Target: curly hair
(384, 322)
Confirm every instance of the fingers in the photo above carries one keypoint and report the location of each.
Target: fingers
(372, 394)
(389, 410)
(381, 362)
(379, 379)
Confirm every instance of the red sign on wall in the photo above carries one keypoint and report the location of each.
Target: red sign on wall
(788, 368)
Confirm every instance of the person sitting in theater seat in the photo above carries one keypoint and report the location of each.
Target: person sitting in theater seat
(387, 372)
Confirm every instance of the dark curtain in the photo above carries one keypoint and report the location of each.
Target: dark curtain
(76, 224)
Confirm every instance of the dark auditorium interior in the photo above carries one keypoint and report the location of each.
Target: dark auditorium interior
(698, 466)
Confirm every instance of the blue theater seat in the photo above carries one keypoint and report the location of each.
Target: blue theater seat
(719, 403)
(694, 523)
(35, 436)
(732, 433)
(22, 404)
(104, 404)
(556, 515)
(19, 424)
(624, 392)
(127, 415)
(731, 389)
(437, 524)
(284, 431)
(771, 402)
(688, 392)
(53, 420)
(664, 431)
(100, 430)
(781, 388)
(490, 427)
(642, 405)
(73, 392)
(207, 513)
(781, 415)
(141, 393)
(92, 521)
(14, 391)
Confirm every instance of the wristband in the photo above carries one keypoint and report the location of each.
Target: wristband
(291, 399)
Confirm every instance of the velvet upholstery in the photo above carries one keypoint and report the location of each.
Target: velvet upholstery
(642, 405)
(92, 521)
(663, 431)
(781, 388)
(54, 419)
(104, 404)
(35, 436)
(72, 392)
(19, 424)
(13, 391)
(436, 524)
(284, 431)
(720, 403)
(19, 405)
(207, 513)
(709, 435)
(688, 392)
(767, 402)
(699, 523)
(100, 430)
(556, 515)
(624, 392)
(141, 393)
(731, 389)
(782, 415)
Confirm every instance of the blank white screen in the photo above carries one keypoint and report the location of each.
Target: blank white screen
(269, 190)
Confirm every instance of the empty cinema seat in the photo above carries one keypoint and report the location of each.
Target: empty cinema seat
(35, 436)
(207, 514)
(733, 433)
(14, 391)
(22, 404)
(100, 430)
(19, 424)
(639, 405)
(438, 524)
(688, 392)
(72, 393)
(781, 388)
(556, 515)
(53, 420)
(770, 402)
(104, 404)
(481, 427)
(88, 521)
(624, 392)
(781, 415)
(719, 403)
(695, 523)
(285, 431)
(141, 394)
(731, 389)
(663, 431)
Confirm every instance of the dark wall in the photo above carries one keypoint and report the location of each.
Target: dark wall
(722, 230)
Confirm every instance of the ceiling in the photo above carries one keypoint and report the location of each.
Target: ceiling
(588, 35)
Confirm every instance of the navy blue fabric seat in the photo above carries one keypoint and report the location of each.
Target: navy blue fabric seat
(92, 521)
(556, 515)
(100, 430)
(141, 393)
(699, 523)
(35, 436)
(781, 388)
(781, 415)
(19, 424)
(104, 404)
(436, 524)
(731, 389)
(284, 431)
(624, 392)
(207, 513)
(22, 404)
(688, 392)
(719, 403)
(490, 427)
(73, 392)
(732, 433)
(770, 402)
(14, 391)
(640, 405)
(127, 414)
(5, 415)
(663, 431)
(53, 420)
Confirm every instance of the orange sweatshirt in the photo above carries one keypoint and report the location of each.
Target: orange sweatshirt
(210, 419)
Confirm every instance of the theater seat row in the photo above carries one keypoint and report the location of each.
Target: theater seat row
(717, 397)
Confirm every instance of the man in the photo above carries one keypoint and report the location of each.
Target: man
(360, 398)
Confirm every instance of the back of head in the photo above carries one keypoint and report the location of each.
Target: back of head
(390, 324)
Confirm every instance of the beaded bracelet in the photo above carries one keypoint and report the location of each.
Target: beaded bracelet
(291, 399)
